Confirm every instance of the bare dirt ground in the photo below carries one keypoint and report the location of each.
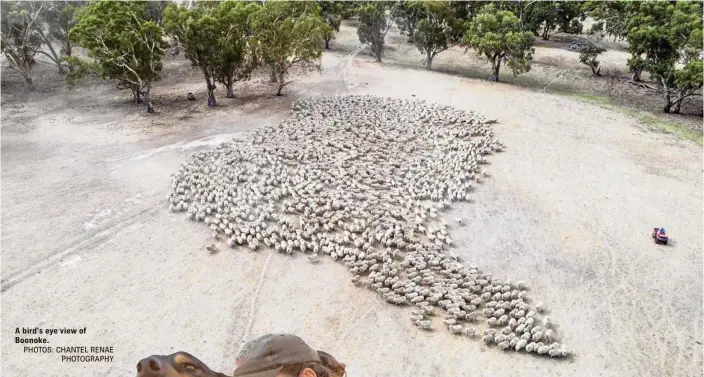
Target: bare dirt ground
(88, 241)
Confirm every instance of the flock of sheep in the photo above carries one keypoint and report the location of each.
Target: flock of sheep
(364, 180)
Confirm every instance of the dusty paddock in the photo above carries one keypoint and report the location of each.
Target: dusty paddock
(87, 240)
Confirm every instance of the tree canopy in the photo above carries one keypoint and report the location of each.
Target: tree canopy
(611, 19)
(437, 30)
(289, 33)
(125, 46)
(609, 16)
(236, 55)
(667, 39)
(550, 16)
(588, 56)
(373, 26)
(19, 39)
(497, 35)
(56, 19)
(216, 38)
(406, 17)
(332, 13)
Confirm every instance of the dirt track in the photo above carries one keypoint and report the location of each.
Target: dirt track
(87, 239)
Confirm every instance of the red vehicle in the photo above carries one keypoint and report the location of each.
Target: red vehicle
(660, 236)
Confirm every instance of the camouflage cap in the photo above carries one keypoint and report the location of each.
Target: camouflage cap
(266, 356)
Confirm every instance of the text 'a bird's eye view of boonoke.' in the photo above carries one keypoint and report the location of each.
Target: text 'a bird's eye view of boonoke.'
(351, 188)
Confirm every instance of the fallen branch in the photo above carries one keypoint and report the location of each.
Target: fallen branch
(642, 85)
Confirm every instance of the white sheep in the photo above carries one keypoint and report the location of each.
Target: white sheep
(469, 332)
(547, 323)
(456, 329)
(512, 343)
(449, 322)
(530, 347)
(547, 335)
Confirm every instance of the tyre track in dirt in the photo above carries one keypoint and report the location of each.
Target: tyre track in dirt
(86, 242)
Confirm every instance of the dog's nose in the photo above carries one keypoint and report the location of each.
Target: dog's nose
(150, 367)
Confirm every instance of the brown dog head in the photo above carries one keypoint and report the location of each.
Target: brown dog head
(179, 364)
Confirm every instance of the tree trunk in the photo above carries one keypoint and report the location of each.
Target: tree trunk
(496, 66)
(377, 52)
(147, 98)
(678, 105)
(53, 55)
(136, 94)
(28, 83)
(327, 43)
(596, 70)
(211, 87)
(546, 33)
(25, 70)
(272, 75)
(280, 81)
(428, 60)
(668, 102)
(66, 53)
(636, 74)
(211, 95)
(230, 91)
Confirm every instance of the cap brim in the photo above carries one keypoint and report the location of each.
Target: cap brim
(263, 373)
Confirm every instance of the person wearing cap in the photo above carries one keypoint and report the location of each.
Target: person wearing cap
(284, 355)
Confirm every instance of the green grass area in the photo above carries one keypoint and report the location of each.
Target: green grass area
(654, 123)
